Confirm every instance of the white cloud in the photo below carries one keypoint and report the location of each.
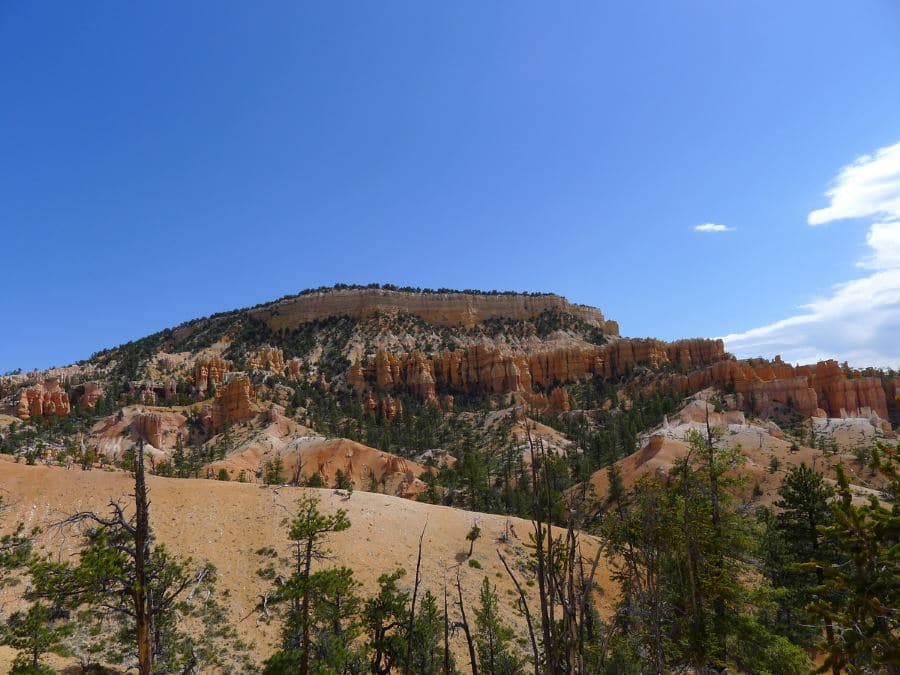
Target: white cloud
(712, 227)
(859, 321)
(870, 186)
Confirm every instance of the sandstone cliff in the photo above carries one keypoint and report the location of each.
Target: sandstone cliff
(46, 399)
(813, 391)
(233, 402)
(496, 369)
(444, 309)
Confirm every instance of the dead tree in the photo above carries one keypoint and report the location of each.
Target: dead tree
(464, 624)
(412, 607)
(446, 631)
(562, 582)
(527, 612)
(145, 590)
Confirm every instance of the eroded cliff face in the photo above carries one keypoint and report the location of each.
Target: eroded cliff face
(492, 369)
(233, 402)
(46, 399)
(823, 389)
(443, 309)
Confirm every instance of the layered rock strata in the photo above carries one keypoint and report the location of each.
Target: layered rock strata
(444, 309)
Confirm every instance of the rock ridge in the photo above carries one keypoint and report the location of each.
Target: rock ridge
(444, 309)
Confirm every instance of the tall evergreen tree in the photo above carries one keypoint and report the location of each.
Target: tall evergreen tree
(860, 592)
(493, 639)
(312, 601)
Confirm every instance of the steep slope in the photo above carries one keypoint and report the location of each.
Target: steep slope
(226, 523)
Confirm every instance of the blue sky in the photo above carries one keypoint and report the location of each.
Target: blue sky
(167, 160)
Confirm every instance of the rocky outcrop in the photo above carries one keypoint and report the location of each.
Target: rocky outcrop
(356, 378)
(391, 407)
(814, 390)
(266, 358)
(47, 399)
(293, 369)
(149, 427)
(419, 376)
(88, 394)
(444, 309)
(233, 402)
(388, 406)
(559, 400)
(159, 429)
(209, 369)
(500, 370)
(151, 392)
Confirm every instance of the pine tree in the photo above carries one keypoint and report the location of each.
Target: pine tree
(306, 595)
(860, 592)
(385, 617)
(426, 642)
(122, 574)
(15, 550)
(795, 539)
(493, 639)
(33, 633)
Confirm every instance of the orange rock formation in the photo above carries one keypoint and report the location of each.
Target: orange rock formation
(266, 358)
(484, 368)
(209, 369)
(43, 400)
(88, 394)
(149, 426)
(810, 390)
(233, 402)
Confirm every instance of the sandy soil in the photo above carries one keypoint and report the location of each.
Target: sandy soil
(225, 523)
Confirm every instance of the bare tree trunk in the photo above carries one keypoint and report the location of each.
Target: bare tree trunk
(719, 602)
(446, 631)
(143, 619)
(412, 608)
(304, 611)
(527, 612)
(465, 626)
(539, 551)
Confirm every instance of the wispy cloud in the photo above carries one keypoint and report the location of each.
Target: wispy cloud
(712, 227)
(859, 320)
(869, 187)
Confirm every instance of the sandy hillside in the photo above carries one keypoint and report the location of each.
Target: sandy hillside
(225, 522)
